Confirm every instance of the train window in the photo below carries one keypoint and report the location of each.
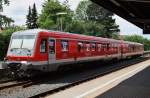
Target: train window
(113, 47)
(88, 46)
(64, 45)
(116, 46)
(104, 47)
(80, 46)
(99, 47)
(93, 46)
(43, 46)
(52, 46)
(108, 46)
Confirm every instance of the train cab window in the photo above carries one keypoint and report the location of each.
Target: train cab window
(93, 46)
(80, 46)
(65, 45)
(43, 46)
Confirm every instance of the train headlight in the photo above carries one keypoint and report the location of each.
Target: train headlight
(24, 62)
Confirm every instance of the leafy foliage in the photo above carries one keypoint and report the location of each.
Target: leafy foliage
(81, 11)
(89, 19)
(139, 39)
(3, 2)
(32, 18)
(4, 20)
(28, 21)
(98, 21)
(50, 18)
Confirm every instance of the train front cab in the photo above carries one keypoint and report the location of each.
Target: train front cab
(21, 51)
(30, 50)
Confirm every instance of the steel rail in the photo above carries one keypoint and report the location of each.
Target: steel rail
(41, 95)
(12, 84)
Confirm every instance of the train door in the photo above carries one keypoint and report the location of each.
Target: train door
(52, 50)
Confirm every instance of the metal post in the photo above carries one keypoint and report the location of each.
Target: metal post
(61, 23)
(61, 20)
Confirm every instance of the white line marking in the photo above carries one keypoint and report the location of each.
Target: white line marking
(131, 73)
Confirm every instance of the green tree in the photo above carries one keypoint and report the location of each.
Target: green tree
(98, 18)
(76, 27)
(29, 19)
(34, 17)
(81, 13)
(2, 45)
(81, 24)
(134, 38)
(3, 2)
(110, 28)
(103, 17)
(4, 20)
(49, 19)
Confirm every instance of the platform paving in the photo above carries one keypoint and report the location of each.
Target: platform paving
(114, 85)
(137, 86)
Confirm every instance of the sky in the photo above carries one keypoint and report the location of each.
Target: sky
(18, 9)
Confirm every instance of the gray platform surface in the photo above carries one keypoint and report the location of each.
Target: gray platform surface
(137, 86)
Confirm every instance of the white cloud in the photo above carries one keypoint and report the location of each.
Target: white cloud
(17, 9)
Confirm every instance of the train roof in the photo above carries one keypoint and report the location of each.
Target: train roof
(28, 32)
(72, 35)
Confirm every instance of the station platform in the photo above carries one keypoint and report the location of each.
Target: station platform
(137, 86)
(130, 82)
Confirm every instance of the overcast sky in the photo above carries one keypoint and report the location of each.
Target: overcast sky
(17, 10)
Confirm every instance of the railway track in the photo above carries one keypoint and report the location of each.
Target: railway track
(12, 84)
(26, 82)
(81, 81)
(44, 86)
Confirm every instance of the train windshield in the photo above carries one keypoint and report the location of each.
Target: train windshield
(22, 43)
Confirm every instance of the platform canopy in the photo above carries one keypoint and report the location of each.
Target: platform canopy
(134, 11)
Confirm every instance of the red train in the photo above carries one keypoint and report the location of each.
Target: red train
(47, 50)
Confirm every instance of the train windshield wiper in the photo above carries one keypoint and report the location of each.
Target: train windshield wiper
(26, 49)
(13, 49)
